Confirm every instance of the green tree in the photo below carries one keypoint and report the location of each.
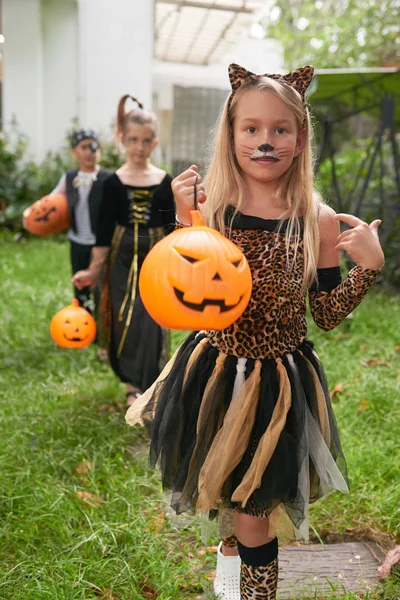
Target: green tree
(336, 33)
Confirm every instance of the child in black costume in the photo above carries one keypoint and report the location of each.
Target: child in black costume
(241, 419)
(137, 210)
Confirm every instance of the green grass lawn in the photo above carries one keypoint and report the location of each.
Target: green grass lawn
(80, 511)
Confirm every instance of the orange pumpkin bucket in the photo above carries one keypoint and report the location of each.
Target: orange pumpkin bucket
(73, 327)
(195, 278)
(48, 215)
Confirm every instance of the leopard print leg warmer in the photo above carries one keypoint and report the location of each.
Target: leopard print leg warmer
(259, 571)
(229, 542)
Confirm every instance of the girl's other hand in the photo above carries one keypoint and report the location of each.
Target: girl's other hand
(361, 242)
(83, 279)
(183, 190)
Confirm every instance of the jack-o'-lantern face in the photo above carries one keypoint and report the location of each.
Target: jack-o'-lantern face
(48, 215)
(73, 327)
(195, 278)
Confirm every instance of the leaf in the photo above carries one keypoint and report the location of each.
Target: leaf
(106, 594)
(210, 575)
(157, 522)
(376, 362)
(147, 591)
(207, 550)
(397, 348)
(84, 467)
(89, 498)
(363, 348)
(338, 389)
(363, 405)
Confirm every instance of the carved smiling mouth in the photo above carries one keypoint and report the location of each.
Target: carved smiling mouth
(75, 339)
(46, 216)
(206, 302)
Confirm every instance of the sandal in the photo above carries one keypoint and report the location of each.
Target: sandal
(132, 396)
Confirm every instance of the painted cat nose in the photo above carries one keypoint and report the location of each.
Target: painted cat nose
(265, 147)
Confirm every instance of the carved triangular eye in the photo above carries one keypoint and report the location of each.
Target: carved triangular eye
(190, 258)
(236, 263)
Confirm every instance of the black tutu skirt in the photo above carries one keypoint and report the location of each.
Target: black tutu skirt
(137, 346)
(248, 434)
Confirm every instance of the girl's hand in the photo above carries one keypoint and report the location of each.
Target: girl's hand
(361, 242)
(83, 279)
(183, 190)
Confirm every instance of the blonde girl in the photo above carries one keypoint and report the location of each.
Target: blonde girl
(241, 418)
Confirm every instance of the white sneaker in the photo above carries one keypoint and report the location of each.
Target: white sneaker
(227, 578)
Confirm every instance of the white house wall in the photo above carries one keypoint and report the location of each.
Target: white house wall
(66, 59)
(116, 52)
(23, 67)
(60, 77)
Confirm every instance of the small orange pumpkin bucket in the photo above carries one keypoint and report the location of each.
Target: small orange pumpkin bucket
(48, 215)
(73, 327)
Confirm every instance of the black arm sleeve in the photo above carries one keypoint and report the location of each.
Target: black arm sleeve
(332, 300)
(108, 211)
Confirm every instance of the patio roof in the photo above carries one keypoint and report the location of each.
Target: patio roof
(362, 89)
(201, 31)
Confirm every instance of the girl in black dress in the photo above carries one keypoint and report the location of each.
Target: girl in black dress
(137, 210)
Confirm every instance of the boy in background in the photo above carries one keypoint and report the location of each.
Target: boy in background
(83, 188)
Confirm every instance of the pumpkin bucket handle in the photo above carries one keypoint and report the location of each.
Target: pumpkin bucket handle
(197, 217)
(195, 194)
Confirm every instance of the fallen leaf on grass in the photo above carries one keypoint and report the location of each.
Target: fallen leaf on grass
(104, 594)
(196, 586)
(338, 389)
(363, 405)
(210, 575)
(363, 348)
(397, 348)
(84, 467)
(157, 522)
(89, 498)
(147, 591)
(376, 362)
(207, 550)
(392, 558)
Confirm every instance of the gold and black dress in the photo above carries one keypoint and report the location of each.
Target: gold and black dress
(131, 220)
(241, 418)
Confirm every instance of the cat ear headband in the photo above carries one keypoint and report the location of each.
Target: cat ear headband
(298, 79)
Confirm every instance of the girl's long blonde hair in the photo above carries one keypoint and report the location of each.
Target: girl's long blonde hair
(225, 185)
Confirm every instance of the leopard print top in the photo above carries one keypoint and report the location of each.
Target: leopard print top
(274, 322)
